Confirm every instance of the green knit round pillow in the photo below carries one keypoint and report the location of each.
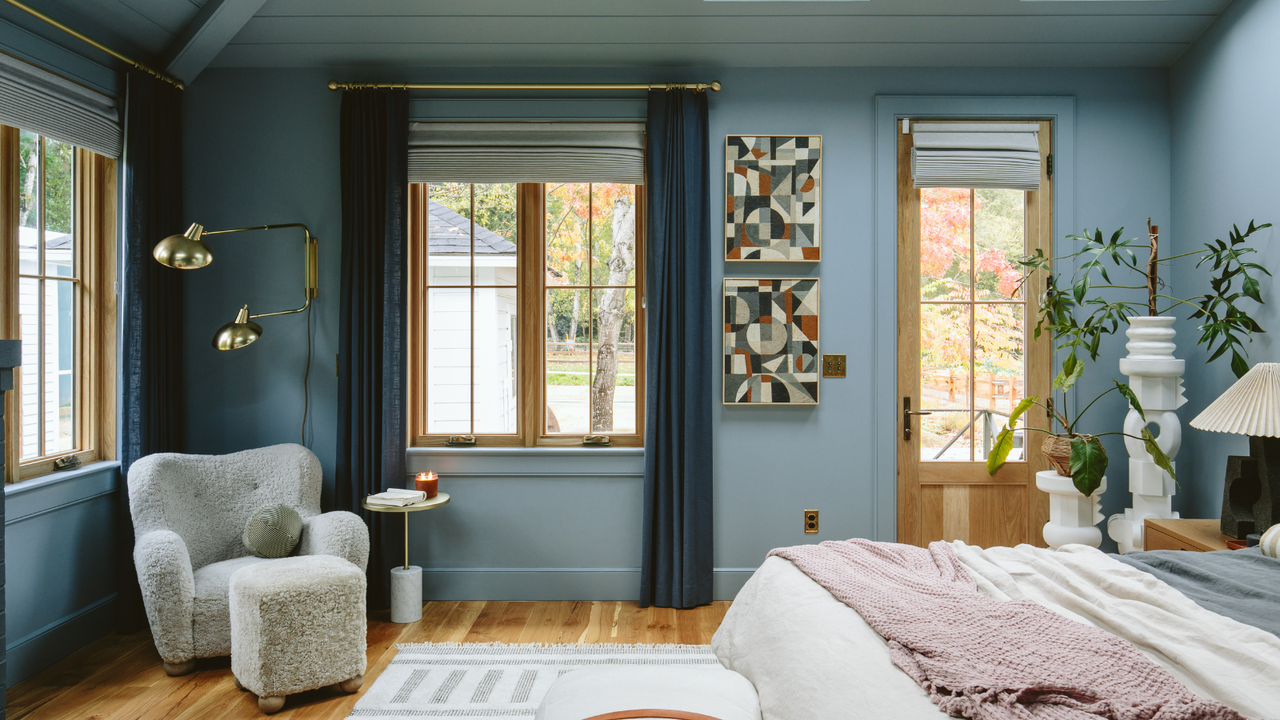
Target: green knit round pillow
(272, 531)
(1270, 543)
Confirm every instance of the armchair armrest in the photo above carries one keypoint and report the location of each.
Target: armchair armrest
(341, 534)
(168, 592)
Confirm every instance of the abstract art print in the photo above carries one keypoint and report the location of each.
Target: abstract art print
(773, 197)
(771, 341)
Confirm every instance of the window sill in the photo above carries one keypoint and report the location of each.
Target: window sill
(47, 493)
(526, 462)
(54, 477)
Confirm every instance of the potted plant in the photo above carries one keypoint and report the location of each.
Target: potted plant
(1079, 316)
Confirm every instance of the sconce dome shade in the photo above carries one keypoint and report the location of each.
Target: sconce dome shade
(187, 251)
(1249, 407)
(237, 333)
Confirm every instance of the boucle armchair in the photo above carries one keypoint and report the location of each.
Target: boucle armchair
(189, 514)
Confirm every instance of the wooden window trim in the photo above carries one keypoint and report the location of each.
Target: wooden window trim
(94, 230)
(530, 294)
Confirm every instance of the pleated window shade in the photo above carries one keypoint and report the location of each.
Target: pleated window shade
(516, 152)
(37, 100)
(976, 155)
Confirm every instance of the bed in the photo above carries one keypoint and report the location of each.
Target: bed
(811, 656)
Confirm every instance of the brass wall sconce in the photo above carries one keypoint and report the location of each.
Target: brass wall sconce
(189, 251)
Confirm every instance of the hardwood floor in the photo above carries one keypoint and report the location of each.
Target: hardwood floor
(120, 678)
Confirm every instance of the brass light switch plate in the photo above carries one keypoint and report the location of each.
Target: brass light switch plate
(834, 366)
(811, 521)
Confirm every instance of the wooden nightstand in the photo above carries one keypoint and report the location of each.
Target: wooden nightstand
(1183, 534)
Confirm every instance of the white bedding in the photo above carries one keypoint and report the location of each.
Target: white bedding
(811, 656)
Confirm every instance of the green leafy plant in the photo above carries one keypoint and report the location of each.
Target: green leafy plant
(1079, 317)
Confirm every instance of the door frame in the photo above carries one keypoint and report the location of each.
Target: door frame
(889, 111)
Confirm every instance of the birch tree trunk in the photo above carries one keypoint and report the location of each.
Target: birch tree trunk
(613, 308)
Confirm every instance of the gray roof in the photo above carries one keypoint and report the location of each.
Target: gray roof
(450, 232)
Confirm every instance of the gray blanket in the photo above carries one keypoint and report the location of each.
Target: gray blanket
(1243, 585)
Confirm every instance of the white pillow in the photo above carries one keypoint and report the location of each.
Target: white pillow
(1270, 542)
(713, 691)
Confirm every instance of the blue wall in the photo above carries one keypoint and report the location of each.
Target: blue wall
(262, 146)
(1224, 101)
(60, 565)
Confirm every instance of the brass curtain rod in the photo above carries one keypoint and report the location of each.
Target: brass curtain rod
(699, 87)
(81, 36)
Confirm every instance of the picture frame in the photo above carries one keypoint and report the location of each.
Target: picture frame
(770, 341)
(773, 198)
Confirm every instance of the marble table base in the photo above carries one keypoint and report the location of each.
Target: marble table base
(406, 594)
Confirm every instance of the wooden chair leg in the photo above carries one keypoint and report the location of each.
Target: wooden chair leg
(271, 705)
(351, 685)
(176, 669)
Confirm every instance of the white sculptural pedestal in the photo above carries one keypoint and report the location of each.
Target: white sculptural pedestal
(1073, 518)
(1155, 376)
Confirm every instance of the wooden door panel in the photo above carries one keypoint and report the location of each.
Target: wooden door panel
(985, 515)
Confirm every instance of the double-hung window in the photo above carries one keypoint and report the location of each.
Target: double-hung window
(57, 271)
(526, 312)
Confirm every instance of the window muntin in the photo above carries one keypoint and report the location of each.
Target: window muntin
(48, 295)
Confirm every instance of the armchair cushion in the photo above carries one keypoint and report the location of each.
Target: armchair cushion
(211, 619)
(168, 592)
(341, 534)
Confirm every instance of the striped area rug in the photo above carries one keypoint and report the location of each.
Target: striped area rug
(496, 680)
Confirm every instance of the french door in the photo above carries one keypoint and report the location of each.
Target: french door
(966, 355)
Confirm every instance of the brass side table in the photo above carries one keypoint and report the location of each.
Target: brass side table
(406, 582)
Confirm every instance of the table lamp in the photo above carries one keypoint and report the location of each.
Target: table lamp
(1251, 495)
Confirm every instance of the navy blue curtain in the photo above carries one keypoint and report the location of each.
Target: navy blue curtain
(371, 361)
(677, 560)
(151, 394)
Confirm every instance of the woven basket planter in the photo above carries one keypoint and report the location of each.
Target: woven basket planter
(1057, 450)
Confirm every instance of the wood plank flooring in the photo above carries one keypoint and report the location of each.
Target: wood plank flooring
(120, 677)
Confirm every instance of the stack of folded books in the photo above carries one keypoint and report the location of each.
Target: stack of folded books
(396, 497)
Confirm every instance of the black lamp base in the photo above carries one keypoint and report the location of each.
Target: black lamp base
(1251, 494)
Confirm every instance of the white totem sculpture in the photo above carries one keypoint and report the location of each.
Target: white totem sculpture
(1155, 376)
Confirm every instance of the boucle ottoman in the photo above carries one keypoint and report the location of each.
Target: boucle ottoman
(297, 624)
(681, 693)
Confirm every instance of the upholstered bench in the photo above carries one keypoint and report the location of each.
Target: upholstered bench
(297, 624)
(679, 693)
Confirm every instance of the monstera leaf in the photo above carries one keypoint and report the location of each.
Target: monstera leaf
(1161, 460)
(1088, 463)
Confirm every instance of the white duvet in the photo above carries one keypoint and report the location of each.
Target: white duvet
(810, 656)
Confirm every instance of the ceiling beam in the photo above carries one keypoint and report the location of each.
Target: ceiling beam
(208, 32)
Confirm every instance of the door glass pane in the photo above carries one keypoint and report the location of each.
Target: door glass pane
(945, 374)
(495, 234)
(613, 234)
(613, 381)
(449, 360)
(59, 367)
(945, 258)
(58, 162)
(1000, 372)
(567, 233)
(29, 327)
(449, 234)
(495, 360)
(568, 364)
(999, 232)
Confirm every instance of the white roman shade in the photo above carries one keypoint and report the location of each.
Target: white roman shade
(512, 152)
(37, 100)
(976, 155)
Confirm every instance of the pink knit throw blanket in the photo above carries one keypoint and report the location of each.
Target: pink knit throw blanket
(988, 659)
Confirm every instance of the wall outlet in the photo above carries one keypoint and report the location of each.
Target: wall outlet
(834, 366)
(811, 521)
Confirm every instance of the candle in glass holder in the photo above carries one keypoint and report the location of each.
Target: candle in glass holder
(427, 482)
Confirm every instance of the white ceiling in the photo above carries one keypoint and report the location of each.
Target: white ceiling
(612, 33)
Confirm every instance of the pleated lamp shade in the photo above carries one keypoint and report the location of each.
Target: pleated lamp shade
(1250, 407)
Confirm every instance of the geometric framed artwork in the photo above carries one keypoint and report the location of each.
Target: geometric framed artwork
(773, 198)
(771, 341)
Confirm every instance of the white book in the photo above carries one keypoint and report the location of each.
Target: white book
(396, 497)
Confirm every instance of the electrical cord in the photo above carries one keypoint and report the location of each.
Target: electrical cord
(306, 374)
